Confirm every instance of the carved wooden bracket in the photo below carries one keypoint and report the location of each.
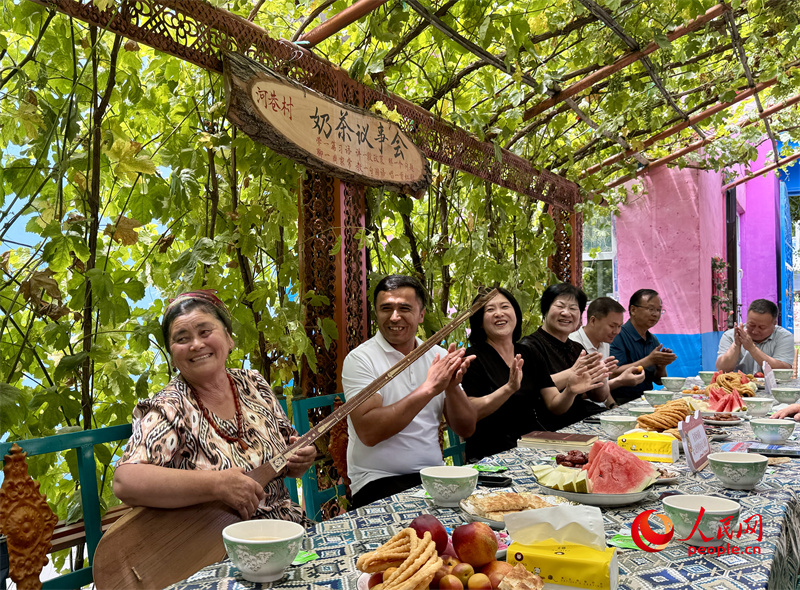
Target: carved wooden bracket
(26, 520)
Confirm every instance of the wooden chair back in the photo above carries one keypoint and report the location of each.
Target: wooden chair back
(90, 529)
(315, 497)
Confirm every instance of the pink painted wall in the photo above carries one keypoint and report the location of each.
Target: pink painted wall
(759, 233)
(665, 241)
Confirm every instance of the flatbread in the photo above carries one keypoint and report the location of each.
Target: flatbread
(521, 579)
(496, 506)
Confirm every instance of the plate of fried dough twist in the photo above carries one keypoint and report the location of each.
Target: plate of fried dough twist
(406, 561)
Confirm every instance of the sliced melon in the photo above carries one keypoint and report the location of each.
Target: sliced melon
(569, 484)
(550, 479)
(541, 470)
(582, 483)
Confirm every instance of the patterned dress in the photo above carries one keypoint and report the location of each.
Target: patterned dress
(169, 430)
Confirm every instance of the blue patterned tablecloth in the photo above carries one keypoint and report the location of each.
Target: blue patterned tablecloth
(340, 541)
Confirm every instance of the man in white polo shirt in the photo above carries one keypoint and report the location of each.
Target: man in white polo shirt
(746, 348)
(394, 433)
(603, 322)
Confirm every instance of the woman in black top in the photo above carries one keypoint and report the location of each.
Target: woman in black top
(505, 396)
(510, 401)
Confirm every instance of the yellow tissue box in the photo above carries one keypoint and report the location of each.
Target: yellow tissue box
(651, 446)
(575, 566)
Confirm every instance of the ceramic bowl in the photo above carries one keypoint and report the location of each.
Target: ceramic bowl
(449, 485)
(615, 426)
(759, 406)
(772, 431)
(782, 374)
(706, 376)
(263, 549)
(656, 398)
(673, 383)
(785, 395)
(639, 410)
(684, 510)
(738, 471)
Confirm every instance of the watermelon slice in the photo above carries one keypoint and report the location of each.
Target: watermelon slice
(614, 470)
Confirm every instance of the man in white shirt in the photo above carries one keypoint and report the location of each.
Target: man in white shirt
(603, 322)
(761, 339)
(395, 433)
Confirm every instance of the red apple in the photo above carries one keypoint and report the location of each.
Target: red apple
(496, 570)
(449, 550)
(475, 543)
(479, 582)
(431, 524)
(463, 571)
(375, 579)
(450, 582)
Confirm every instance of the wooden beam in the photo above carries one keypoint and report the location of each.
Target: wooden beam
(739, 48)
(339, 21)
(498, 63)
(698, 144)
(661, 162)
(603, 16)
(624, 61)
(770, 168)
(745, 94)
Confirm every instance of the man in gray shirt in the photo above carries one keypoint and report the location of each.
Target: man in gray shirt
(761, 339)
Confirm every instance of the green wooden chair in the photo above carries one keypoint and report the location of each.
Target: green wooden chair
(313, 496)
(93, 522)
(455, 448)
(291, 483)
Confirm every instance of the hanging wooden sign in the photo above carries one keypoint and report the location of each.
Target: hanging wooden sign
(323, 134)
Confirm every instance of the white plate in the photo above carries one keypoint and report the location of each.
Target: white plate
(722, 422)
(706, 414)
(471, 511)
(599, 499)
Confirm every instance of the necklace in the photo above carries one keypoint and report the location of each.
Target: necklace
(210, 418)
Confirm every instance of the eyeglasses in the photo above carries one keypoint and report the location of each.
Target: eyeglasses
(651, 310)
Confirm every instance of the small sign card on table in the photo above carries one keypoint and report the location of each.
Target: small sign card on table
(695, 441)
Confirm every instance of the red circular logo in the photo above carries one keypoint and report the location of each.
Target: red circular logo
(641, 532)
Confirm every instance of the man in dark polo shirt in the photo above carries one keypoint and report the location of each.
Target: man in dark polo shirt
(570, 367)
(635, 345)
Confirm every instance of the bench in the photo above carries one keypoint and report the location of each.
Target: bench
(88, 530)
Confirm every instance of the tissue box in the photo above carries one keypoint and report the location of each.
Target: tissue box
(565, 564)
(651, 446)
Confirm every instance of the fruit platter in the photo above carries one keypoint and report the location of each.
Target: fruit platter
(492, 507)
(423, 555)
(611, 476)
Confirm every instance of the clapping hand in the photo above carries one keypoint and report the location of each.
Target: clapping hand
(515, 373)
(661, 357)
(589, 372)
(741, 337)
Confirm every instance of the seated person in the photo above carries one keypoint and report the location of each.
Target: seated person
(636, 346)
(507, 391)
(603, 322)
(194, 441)
(395, 433)
(746, 348)
(573, 371)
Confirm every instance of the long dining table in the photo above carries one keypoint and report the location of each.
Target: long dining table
(340, 541)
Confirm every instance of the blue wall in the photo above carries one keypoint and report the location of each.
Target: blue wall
(696, 352)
